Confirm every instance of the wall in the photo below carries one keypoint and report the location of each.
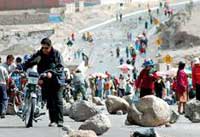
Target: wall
(28, 4)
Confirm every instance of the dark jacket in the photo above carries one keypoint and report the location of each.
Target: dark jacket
(43, 61)
(47, 62)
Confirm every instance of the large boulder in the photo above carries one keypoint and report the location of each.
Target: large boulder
(97, 101)
(192, 110)
(66, 108)
(99, 123)
(82, 133)
(174, 117)
(115, 104)
(129, 98)
(145, 133)
(82, 110)
(150, 111)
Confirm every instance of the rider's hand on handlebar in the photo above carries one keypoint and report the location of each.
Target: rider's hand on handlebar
(49, 75)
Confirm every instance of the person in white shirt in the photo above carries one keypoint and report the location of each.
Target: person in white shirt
(9, 64)
(122, 86)
(3, 91)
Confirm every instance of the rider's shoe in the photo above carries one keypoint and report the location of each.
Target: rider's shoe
(52, 124)
(60, 124)
(3, 115)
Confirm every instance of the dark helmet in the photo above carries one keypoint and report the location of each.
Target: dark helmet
(26, 57)
(18, 59)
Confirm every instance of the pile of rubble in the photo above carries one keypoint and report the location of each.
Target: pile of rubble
(171, 34)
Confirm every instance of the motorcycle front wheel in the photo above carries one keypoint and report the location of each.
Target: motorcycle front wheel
(30, 113)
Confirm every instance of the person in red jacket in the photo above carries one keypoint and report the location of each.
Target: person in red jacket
(182, 87)
(196, 77)
(146, 79)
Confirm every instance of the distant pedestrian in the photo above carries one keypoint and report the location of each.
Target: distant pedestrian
(78, 53)
(139, 19)
(158, 11)
(146, 24)
(149, 11)
(120, 17)
(161, 4)
(117, 16)
(69, 43)
(118, 52)
(121, 61)
(73, 36)
(127, 52)
(151, 20)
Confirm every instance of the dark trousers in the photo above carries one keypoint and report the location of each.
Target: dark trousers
(3, 98)
(158, 93)
(55, 104)
(197, 91)
(121, 92)
(145, 91)
(80, 89)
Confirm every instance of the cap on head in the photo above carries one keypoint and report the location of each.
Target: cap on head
(148, 62)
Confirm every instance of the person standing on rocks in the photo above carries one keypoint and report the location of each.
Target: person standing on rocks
(182, 87)
(196, 77)
(146, 79)
(80, 85)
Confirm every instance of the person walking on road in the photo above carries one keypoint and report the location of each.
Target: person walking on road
(99, 86)
(146, 25)
(182, 87)
(127, 51)
(159, 86)
(118, 52)
(120, 17)
(49, 61)
(122, 86)
(196, 77)
(146, 79)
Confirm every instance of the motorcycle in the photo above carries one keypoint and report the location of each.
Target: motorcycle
(15, 92)
(32, 99)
